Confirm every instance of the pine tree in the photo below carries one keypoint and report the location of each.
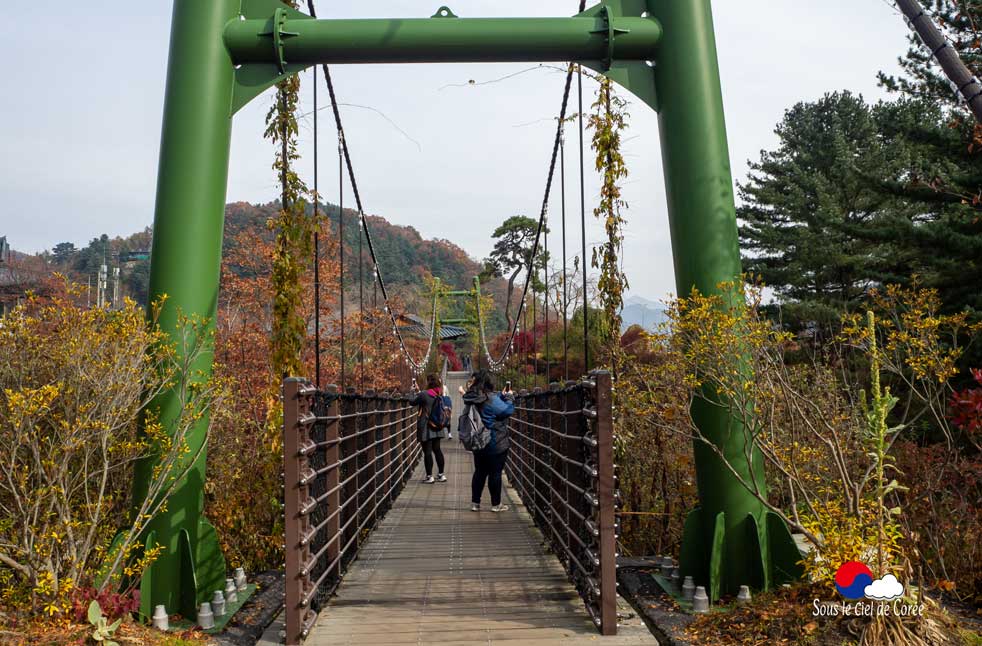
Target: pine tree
(945, 176)
(804, 201)
(951, 140)
(840, 207)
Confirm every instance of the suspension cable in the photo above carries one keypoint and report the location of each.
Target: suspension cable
(341, 253)
(562, 185)
(535, 331)
(497, 364)
(586, 300)
(417, 366)
(361, 307)
(545, 306)
(317, 254)
(494, 364)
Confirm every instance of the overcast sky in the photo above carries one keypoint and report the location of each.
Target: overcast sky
(80, 120)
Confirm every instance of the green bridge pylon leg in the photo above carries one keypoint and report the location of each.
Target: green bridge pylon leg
(186, 257)
(730, 539)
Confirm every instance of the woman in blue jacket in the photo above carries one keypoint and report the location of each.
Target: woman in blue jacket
(489, 462)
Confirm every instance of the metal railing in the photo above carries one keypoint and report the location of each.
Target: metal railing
(561, 463)
(346, 458)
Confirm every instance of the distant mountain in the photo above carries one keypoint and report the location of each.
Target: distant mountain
(641, 311)
(405, 257)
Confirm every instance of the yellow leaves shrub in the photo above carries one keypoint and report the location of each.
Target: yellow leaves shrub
(803, 406)
(916, 338)
(74, 386)
(848, 536)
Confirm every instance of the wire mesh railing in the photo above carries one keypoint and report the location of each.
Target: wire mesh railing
(561, 463)
(346, 459)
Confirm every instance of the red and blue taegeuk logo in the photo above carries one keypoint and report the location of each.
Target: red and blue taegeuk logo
(852, 578)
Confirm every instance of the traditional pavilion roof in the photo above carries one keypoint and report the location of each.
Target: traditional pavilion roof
(415, 326)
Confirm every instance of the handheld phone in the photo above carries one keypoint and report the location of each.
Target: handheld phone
(507, 385)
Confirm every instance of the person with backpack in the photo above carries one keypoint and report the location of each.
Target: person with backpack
(434, 417)
(484, 430)
(448, 411)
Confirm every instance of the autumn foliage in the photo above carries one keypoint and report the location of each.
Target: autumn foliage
(76, 392)
(871, 451)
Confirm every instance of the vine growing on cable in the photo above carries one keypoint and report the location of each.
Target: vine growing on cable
(608, 120)
(294, 233)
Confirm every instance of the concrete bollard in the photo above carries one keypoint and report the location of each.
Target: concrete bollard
(700, 601)
(206, 618)
(240, 579)
(218, 604)
(688, 588)
(675, 578)
(160, 619)
(743, 597)
(667, 565)
(230, 596)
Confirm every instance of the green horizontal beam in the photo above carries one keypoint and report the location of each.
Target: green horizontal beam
(440, 40)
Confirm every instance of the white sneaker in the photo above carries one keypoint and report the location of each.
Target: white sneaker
(441, 478)
(428, 480)
(499, 508)
(475, 506)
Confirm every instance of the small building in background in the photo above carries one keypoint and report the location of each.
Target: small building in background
(19, 275)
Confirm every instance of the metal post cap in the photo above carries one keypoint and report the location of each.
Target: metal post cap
(160, 619)
(218, 604)
(688, 588)
(700, 601)
(744, 595)
(206, 618)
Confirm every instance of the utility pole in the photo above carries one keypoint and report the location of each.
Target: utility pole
(946, 55)
(101, 284)
(116, 287)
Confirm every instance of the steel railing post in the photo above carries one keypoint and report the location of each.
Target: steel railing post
(387, 418)
(539, 482)
(606, 494)
(555, 444)
(571, 451)
(296, 405)
(371, 458)
(332, 456)
(349, 495)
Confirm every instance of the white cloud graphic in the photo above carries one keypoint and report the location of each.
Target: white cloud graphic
(884, 589)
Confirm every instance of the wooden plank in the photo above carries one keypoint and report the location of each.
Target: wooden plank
(435, 572)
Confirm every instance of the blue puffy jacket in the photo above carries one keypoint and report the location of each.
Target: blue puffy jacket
(495, 410)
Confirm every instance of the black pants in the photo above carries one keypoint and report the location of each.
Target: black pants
(487, 467)
(431, 448)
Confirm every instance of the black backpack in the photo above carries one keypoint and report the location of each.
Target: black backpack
(439, 414)
(471, 429)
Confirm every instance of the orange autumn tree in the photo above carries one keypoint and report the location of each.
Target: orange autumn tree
(245, 456)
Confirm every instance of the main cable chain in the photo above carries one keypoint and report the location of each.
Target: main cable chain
(419, 366)
(495, 365)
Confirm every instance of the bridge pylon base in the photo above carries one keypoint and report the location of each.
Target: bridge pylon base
(755, 551)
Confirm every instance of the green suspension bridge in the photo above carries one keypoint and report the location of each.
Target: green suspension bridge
(371, 556)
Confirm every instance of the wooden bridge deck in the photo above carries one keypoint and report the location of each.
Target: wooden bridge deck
(436, 572)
